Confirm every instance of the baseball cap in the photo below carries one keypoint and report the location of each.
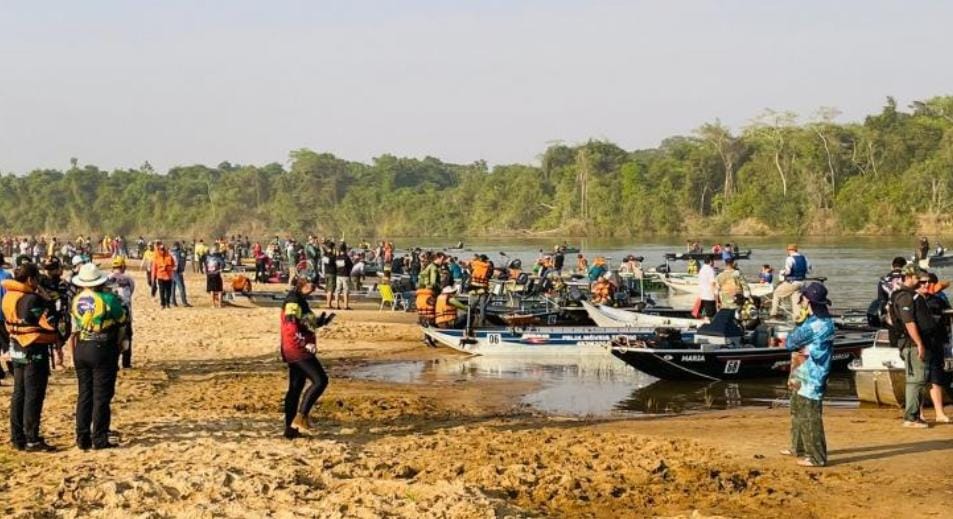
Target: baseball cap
(816, 293)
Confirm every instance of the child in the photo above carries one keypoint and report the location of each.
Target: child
(767, 275)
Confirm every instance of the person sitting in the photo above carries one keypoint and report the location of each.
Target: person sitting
(766, 277)
(446, 310)
(602, 291)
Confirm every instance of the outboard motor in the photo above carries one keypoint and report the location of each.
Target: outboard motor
(663, 268)
(873, 314)
(722, 332)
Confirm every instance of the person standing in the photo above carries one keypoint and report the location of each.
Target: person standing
(814, 341)
(214, 264)
(178, 275)
(146, 264)
(796, 268)
(559, 260)
(298, 349)
(706, 289)
(910, 322)
(936, 377)
(99, 323)
(342, 288)
(27, 318)
(163, 269)
(730, 284)
(125, 287)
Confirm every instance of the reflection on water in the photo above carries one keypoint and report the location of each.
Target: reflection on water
(599, 387)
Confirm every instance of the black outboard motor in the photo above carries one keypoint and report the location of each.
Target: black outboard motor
(873, 314)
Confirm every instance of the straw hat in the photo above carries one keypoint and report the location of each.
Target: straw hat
(90, 276)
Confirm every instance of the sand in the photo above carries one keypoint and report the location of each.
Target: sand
(200, 427)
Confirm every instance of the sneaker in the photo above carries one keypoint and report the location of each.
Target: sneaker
(915, 424)
(40, 446)
(18, 446)
(84, 444)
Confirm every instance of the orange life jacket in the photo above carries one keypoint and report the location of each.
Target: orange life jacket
(479, 273)
(425, 305)
(241, 285)
(25, 334)
(446, 313)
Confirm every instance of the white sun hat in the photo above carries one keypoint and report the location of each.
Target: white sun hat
(90, 276)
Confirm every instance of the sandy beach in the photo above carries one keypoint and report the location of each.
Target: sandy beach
(199, 423)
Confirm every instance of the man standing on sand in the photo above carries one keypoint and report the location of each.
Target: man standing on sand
(814, 341)
(910, 323)
(178, 275)
(124, 287)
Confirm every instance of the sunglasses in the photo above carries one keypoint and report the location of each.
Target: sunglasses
(923, 282)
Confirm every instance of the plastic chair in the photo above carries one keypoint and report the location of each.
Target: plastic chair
(388, 296)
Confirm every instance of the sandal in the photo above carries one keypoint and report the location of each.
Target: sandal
(786, 452)
(806, 462)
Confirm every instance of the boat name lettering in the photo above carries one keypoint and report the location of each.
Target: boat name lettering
(601, 338)
(693, 358)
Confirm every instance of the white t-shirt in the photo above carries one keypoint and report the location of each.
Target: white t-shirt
(706, 280)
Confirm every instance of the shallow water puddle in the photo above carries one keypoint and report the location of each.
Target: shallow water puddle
(599, 387)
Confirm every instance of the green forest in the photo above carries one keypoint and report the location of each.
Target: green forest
(780, 174)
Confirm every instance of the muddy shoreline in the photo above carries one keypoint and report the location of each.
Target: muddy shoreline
(199, 420)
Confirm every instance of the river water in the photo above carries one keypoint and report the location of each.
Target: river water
(610, 387)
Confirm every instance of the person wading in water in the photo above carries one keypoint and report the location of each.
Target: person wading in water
(298, 348)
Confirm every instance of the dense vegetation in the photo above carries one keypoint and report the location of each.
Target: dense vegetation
(893, 173)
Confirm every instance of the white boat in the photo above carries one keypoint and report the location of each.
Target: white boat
(685, 284)
(880, 374)
(537, 341)
(607, 316)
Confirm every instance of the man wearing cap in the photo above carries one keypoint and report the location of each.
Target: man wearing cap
(814, 341)
(99, 319)
(27, 318)
(60, 293)
(796, 268)
(910, 324)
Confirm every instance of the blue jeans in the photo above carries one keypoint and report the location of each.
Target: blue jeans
(178, 286)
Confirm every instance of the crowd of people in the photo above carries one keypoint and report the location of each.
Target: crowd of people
(44, 312)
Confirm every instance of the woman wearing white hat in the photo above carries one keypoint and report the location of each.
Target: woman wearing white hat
(98, 326)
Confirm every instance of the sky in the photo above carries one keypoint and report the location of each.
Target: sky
(179, 82)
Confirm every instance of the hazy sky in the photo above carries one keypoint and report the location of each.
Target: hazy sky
(116, 83)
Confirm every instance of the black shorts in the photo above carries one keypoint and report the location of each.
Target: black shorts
(934, 367)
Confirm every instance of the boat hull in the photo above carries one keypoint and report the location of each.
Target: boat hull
(727, 363)
(542, 341)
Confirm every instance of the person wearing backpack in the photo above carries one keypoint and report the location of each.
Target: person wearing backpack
(910, 324)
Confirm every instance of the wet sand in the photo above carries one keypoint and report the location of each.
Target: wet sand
(200, 427)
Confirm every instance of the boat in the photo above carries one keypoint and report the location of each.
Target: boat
(936, 261)
(688, 284)
(721, 350)
(542, 341)
(880, 374)
(701, 256)
(608, 316)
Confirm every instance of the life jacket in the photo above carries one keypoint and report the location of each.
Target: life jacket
(425, 305)
(26, 334)
(446, 313)
(799, 269)
(479, 273)
(241, 284)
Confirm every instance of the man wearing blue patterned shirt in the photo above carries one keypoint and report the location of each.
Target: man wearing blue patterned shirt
(814, 341)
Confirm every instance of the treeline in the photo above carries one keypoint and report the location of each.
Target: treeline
(891, 174)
